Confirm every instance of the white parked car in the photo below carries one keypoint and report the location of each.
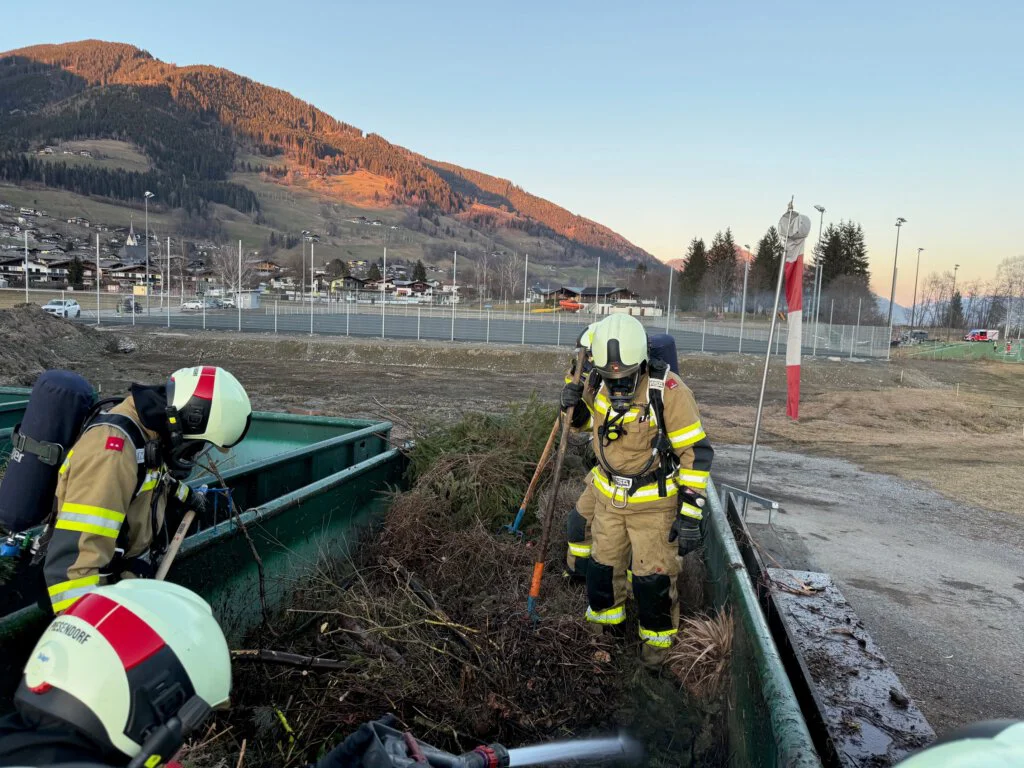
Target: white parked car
(63, 308)
(192, 305)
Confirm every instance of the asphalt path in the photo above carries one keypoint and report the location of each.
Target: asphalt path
(939, 585)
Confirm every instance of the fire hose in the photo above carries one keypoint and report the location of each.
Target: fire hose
(391, 748)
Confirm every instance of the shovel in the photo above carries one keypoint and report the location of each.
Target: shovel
(545, 455)
(563, 444)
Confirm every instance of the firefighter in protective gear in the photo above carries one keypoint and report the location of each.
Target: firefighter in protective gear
(126, 672)
(117, 480)
(654, 461)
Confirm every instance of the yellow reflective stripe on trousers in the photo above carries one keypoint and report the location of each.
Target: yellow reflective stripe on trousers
(615, 615)
(579, 550)
(687, 436)
(65, 593)
(658, 639)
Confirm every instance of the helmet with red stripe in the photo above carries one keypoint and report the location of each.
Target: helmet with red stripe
(123, 661)
(206, 406)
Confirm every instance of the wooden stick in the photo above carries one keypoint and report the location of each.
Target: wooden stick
(545, 455)
(556, 479)
(175, 545)
(288, 659)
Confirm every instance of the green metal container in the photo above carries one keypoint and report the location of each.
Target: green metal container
(13, 394)
(295, 506)
(766, 725)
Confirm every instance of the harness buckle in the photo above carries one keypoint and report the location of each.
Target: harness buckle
(623, 485)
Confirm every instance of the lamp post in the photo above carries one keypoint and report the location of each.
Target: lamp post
(816, 293)
(913, 307)
(146, 198)
(951, 295)
(743, 306)
(900, 221)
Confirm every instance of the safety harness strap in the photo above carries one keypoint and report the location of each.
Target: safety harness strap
(48, 453)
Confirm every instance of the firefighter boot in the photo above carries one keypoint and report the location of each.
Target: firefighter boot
(653, 658)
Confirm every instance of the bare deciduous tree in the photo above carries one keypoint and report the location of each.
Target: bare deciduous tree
(225, 267)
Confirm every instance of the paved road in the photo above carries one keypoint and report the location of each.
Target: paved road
(414, 326)
(939, 585)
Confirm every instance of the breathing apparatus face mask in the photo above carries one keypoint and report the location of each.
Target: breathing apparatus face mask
(182, 458)
(621, 391)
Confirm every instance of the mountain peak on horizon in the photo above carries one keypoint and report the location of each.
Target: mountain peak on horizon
(74, 87)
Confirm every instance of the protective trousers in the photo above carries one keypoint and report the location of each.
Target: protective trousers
(643, 530)
(577, 530)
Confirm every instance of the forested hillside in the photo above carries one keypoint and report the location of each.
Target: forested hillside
(194, 121)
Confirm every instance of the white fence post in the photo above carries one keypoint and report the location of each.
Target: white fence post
(488, 340)
(419, 315)
(703, 332)
(275, 315)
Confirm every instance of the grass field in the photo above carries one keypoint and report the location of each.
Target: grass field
(106, 153)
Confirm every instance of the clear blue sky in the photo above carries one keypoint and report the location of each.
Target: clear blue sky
(662, 120)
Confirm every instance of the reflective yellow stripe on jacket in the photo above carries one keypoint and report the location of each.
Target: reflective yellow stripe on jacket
(86, 518)
(602, 405)
(687, 436)
(694, 478)
(62, 595)
(150, 481)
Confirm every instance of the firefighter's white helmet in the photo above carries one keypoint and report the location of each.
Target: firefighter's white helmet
(619, 346)
(586, 338)
(212, 405)
(123, 660)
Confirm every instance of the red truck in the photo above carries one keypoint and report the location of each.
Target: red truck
(979, 334)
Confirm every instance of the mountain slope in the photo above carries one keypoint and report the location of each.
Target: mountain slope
(194, 121)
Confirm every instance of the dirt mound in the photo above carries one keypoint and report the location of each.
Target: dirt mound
(32, 341)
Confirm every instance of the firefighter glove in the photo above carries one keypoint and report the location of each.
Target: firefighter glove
(189, 498)
(572, 395)
(686, 527)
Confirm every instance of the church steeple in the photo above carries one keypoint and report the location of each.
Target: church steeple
(132, 239)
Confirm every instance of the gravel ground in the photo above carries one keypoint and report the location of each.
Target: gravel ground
(940, 585)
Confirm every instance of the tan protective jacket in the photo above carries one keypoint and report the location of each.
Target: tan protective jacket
(100, 510)
(630, 452)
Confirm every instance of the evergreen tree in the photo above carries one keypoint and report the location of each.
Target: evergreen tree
(720, 280)
(692, 275)
(419, 272)
(765, 269)
(373, 273)
(955, 313)
(845, 280)
(76, 271)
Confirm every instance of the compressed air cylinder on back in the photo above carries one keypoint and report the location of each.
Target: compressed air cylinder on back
(59, 404)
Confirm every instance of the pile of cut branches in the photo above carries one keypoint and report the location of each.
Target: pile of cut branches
(429, 622)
